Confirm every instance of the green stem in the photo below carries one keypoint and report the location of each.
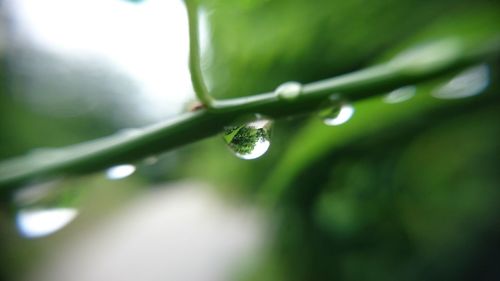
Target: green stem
(199, 85)
(191, 127)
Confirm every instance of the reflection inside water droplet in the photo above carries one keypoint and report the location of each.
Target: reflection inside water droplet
(400, 95)
(120, 171)
(249, 141)
(35, 223)
(338, 114)
(289, 90)
(468, 83)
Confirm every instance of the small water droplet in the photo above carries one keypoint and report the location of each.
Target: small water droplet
(470, 82)
(249, 141)
(289, 90)
(400, 95)
(36, 223)
(120, 171)
(43, 208)
(337, 114)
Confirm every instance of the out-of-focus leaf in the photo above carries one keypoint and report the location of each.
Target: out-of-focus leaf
(471, 30)
(257, 45)
(402, 191)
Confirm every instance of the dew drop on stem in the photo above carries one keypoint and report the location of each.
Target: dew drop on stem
(120, 171)
(41, 222)
(470, 82)
(250, 140)
(41, 211)
(338, 113)
(289, 90)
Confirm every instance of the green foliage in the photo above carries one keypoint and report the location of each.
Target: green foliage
(257, 45)
(243, 139)
(402, 191)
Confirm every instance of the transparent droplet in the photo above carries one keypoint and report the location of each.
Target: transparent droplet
(249, 141)
(337, 114)
(120, 171)
(36, 223)
(470, 82)
(289, 90)
(42, 208)
(400, 95)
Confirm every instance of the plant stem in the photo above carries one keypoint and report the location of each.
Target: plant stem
(199, 85)
(194, 126)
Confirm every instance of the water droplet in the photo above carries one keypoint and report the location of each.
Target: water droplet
(120, 171)
(289, 90)
(36, 223)
(470, 82)
(249, 141)
(338, 114)
(400, 95)
(43, 208)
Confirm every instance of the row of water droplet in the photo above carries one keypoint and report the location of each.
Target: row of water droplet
(252, 140)
(42, 209)
(247, 141)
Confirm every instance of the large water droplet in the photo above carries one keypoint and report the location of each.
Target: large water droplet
(289, 90)
(120, 171)
(338, 114)
(35, 223)
(249, 141)
(43, 208)
(468, 83)
(400, 95)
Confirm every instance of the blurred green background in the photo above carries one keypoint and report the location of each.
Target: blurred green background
(402, 191)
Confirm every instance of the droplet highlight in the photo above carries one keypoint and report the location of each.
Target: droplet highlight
(400, 95)
(470, 82)
(249, 141)
(120, 171)
(338, 114)
(43, 208)
(36, 223)
(289, 90)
